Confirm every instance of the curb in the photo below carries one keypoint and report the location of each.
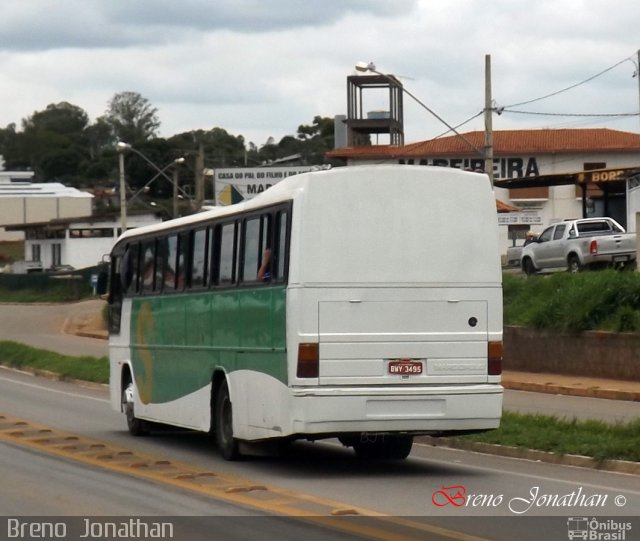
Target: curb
(610, 394)
(617, 466)
(92, 334)
(39, 372)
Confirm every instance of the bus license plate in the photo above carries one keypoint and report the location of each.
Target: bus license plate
(405, 367)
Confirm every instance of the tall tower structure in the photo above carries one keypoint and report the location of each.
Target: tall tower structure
(362, 123)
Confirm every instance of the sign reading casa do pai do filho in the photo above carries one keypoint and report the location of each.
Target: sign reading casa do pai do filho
(234, 185)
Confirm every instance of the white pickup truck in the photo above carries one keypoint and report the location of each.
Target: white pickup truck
(580, 244)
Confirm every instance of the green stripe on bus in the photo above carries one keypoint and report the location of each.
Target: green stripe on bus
(178, 340)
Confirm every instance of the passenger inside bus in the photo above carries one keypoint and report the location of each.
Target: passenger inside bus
(264, 272)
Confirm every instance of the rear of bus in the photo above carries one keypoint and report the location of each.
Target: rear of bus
(394, 304)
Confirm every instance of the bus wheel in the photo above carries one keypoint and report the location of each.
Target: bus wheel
(384, 447)
(136, 426)
(226, 443)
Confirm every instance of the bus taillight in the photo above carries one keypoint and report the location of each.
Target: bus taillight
(308, 360)
(494, 358)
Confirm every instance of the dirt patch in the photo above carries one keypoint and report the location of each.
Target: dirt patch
(87, 323)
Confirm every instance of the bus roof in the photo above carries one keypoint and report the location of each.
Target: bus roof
(288, 189)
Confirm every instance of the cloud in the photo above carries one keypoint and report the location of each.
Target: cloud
(261, 68)
(122, 23)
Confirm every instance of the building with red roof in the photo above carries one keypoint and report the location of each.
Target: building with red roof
(526, 155)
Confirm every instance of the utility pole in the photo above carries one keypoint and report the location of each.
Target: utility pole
(123, 194)
(637, 74)
(175, 192)
(488, 119)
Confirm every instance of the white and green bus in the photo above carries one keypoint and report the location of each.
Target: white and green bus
(363, 303)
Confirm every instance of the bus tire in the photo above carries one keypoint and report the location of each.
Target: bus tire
(384, 448)
(226, 443)
(137, 427)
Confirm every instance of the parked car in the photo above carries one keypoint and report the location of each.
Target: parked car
(514, 253)
(61, 269)
(580, 244)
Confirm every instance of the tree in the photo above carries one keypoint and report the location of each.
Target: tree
(321, 127)
(62, 118)
(132, 118)
(318, 139)
(99, 136)
(52, 143)
(11, 149)
(221, 148)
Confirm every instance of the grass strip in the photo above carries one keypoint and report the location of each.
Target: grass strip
(84, 368)
(596, 439)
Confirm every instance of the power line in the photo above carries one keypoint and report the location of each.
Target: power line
(459, 125)
(612, 115)
(572, 86)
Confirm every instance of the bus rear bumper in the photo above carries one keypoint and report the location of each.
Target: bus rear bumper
(415, 410)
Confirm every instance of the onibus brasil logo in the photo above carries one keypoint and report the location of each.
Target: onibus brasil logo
(593, 529)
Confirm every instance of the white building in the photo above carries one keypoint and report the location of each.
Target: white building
(23, 202)
(524, 154)
(74, 242)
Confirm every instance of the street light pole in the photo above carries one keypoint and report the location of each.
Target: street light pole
(175, 192)
(637, 74)
(160, 172)
(123, 147)
(123, 191)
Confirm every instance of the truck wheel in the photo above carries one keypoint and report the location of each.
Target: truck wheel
(223, 415)
(528, 268)
(573, 264)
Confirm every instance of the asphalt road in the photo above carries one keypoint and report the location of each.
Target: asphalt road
(323, 470)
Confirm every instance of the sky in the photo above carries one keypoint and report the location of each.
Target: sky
(261, 68)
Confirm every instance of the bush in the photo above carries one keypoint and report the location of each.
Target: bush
(599, 300)
(46, 287)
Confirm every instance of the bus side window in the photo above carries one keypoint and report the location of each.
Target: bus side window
(257, 249)
(251, 246)
(215, 233)
(169, 268)
(129, 270)
(147, 273)
(183, 263)
(282, 255)
(122, 268)
(227, 254)
(199, 258)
